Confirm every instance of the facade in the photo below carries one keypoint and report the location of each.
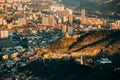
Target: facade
(3, 34)
(48, 20)
(83, 15)
(45, 20)
(2, 4)
(118, 23)
(64, 28)
(70, 19)
(9, 26)
(70, 30)
(51, 20)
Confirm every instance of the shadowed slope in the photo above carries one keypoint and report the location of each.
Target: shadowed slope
(114, 37)
(67, 70)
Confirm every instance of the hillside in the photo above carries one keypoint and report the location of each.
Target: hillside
(104, 6)
(89, 44)
(66, 70)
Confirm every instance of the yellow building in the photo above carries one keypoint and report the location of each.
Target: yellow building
(9, 26)
(5, 57)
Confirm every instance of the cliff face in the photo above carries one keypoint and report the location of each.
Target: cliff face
(89, 44)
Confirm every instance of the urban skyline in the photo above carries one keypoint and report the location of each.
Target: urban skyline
(59, 40)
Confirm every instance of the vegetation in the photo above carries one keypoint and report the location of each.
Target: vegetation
(67, 70)
(108, 41)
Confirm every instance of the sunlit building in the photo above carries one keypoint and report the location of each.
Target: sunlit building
(48, 20)
(118, 23)
(9, 26)
(70, 19)
(2, 4)
(51, 20)
(83, 15)
(45, 20)
(59, 13)
(64, 28)
(3, 34)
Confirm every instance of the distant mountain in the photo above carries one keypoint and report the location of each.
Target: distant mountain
(104, 6)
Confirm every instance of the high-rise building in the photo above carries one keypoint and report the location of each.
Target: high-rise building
(66, 13)
(64, 28)
(83, 15)
(70, 19)
(59, 13)
(48, 20)
(51, 20)
(45, 20)
(65, 19)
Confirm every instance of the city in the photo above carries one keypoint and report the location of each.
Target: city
(50, 34)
